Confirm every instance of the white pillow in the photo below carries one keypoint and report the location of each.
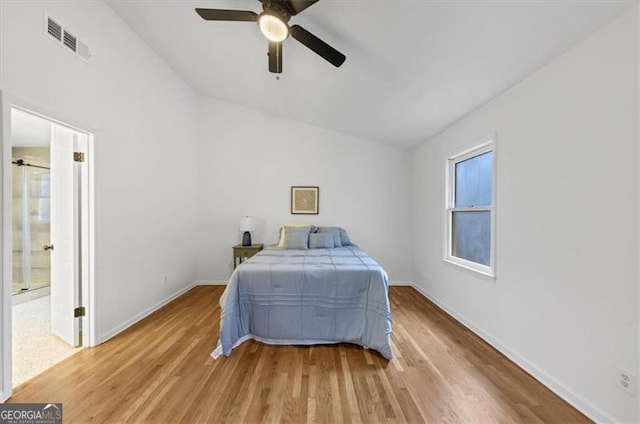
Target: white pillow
(281, 233)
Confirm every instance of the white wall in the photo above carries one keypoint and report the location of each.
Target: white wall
(248, 160)
(145, 123)
(565, 302)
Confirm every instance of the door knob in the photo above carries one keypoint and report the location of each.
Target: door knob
(48, 247)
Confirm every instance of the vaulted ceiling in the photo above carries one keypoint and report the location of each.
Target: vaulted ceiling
(412, 68)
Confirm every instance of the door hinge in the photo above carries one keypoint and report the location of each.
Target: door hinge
(78, 312)
(78, 156)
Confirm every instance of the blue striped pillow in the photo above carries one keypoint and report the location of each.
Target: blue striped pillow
(321, 241)
(335, 232)
(344, 237)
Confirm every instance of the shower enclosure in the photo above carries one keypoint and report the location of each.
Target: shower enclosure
(31, 224)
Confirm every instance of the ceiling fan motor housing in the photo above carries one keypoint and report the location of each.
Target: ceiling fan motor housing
(277, 9)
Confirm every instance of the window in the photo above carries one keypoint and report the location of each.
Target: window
(470, 210)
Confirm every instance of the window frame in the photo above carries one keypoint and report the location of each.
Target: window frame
(489, 271)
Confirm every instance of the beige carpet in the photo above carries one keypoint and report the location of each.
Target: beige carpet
(34, 347)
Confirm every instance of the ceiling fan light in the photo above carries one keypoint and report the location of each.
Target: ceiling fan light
(274, 28)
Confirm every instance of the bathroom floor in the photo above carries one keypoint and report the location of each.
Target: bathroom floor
(35, 348)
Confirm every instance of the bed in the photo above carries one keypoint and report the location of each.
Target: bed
(307, 296)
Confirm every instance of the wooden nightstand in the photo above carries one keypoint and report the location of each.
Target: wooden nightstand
(241, 252)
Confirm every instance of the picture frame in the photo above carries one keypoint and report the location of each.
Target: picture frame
(305, 200)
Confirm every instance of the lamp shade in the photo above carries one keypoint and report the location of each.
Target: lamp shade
(246, 223)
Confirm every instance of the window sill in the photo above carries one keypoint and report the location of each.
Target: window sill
(469, 267)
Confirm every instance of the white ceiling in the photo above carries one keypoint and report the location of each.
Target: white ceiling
(412, 68)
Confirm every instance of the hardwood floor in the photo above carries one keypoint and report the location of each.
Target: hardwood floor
(160, 371)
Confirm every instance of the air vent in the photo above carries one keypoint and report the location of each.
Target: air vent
(63, 36)
(54, 29)
(70, 41)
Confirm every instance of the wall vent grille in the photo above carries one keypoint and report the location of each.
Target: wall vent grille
(62, 36)
(70, 41)
(54, 29)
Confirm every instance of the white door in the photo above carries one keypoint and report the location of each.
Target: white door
(64, 215)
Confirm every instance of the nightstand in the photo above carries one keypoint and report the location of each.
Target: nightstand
(241, 252)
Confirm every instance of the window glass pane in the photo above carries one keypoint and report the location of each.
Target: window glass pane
(471, 236)
(473, 181)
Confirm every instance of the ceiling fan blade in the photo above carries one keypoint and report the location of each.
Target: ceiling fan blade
(327, 52)
(275, 57)
(227, 15)
(297, 6)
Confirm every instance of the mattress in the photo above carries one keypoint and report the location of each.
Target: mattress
(303, 297)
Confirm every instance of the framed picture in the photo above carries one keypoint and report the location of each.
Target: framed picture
(304, 200)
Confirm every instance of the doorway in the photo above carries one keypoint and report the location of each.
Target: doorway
(46, 246)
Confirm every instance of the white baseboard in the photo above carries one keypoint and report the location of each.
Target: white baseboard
(212, 283)
(401, 283)
(577, 401)
(120, 328)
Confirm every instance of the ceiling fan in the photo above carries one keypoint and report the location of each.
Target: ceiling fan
(273, 22)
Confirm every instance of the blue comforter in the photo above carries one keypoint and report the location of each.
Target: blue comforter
(310, 296)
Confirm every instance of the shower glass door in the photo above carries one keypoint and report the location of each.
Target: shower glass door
(31, 227)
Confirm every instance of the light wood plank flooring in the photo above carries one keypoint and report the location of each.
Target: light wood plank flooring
(160, 371)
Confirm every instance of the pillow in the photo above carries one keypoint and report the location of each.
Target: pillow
(321, 241)
(335, 231)
(296, 237)
(344, 238)
(281, 232)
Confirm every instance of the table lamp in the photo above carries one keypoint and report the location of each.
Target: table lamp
(246, 225)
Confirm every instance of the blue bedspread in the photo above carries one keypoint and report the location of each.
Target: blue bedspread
(310, 296)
